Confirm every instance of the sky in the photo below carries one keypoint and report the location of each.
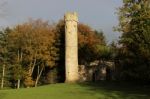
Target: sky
(99, 14)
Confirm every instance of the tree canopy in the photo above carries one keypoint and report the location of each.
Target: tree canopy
(34, 52)
(134, 18)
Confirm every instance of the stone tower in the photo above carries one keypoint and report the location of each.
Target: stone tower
(71, 47)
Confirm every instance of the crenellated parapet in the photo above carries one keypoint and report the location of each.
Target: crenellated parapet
(71, 16)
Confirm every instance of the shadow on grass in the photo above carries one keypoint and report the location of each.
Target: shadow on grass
(118, 90)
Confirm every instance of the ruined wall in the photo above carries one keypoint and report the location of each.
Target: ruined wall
(96, 71)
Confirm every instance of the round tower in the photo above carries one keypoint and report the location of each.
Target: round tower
(71, 47)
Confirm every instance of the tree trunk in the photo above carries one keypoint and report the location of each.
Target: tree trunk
(3, 75)
(38, 72)
(18, 84)
(34, 63)
(38, 76)
(32, 69)
(20, 54)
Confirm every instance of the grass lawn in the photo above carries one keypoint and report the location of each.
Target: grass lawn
(101, 90)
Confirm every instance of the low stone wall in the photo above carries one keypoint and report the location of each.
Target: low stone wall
(95, 71)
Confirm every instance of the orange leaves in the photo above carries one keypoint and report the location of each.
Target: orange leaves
(87, 36)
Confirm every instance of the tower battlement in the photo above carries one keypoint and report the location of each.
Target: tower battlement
(71, 16)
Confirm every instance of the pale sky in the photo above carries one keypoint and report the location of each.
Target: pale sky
(99, 14)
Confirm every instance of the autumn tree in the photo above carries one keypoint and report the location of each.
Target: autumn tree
(88, 38)
(33, 44)
(35, 51)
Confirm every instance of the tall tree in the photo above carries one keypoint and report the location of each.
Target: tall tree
(33, 44)
(89, 39)
(4, 54)
(134, 18)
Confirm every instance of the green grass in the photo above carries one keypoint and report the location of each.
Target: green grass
(101, 90)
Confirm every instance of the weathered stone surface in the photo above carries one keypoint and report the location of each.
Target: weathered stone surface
(96, 71)
(71, 47)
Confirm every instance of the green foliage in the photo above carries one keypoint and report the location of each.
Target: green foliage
(103, 52)
(5, 72)
(88, 40)
(134, 19)
(17, 72)
(26, 47)
(32, 49)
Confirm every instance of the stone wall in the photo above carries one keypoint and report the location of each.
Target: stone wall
(96, 71)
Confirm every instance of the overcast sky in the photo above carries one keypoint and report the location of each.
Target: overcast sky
(99, 14)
